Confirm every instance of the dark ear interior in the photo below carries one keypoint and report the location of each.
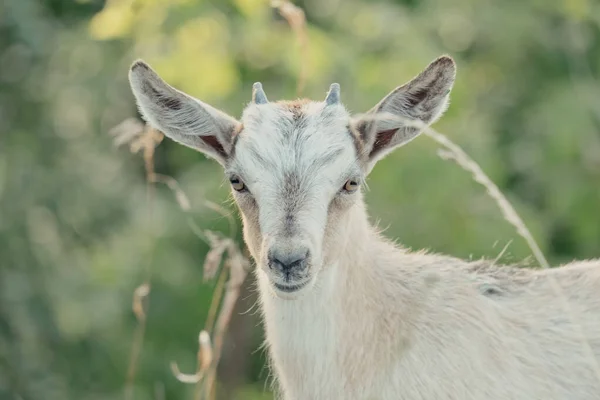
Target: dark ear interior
(422, 99)
(213, 142)
(382, 140)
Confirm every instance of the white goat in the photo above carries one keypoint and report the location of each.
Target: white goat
(348, 315)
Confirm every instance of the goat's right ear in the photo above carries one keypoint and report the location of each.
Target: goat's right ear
(181, 117)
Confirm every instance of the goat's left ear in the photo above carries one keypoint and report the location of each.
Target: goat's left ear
(423, 99)
(181, 117)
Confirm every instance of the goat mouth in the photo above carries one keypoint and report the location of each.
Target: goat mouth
(290, 288)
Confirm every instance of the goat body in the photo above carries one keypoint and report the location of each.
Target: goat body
(384, 323)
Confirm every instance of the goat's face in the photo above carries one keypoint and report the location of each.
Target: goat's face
(295, 167)
(294, 171)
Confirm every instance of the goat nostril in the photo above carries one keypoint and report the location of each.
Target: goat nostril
(287, 262)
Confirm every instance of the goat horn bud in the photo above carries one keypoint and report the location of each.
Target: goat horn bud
(333, 96)
(258, 94)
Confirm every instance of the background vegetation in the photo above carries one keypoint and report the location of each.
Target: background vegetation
(76, 234)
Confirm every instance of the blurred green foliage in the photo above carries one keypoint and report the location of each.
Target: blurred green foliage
(76, 235)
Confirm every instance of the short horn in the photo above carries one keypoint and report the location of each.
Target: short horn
(258, 94)
(333, 96)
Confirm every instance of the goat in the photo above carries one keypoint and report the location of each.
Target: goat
(348, 314)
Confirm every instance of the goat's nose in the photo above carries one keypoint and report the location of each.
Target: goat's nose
(287, 262)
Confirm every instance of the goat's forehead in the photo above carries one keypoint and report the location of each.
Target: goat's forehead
(297, 133)
(286, 119)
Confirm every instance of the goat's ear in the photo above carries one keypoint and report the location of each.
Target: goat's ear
(424, 99)
(181, 117)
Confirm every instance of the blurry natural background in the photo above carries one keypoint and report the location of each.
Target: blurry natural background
(76, 233)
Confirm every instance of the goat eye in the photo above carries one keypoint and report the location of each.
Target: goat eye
(351, 186)
(237, 184)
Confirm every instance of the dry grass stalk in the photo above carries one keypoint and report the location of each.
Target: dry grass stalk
(296, 18)
(204, 359)
(499, 256)
(226, 259)
(223, 251)
(145, 138)
(455, 153)
(235, 266)
(238, 266)
(452, 151)
(138, 301)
